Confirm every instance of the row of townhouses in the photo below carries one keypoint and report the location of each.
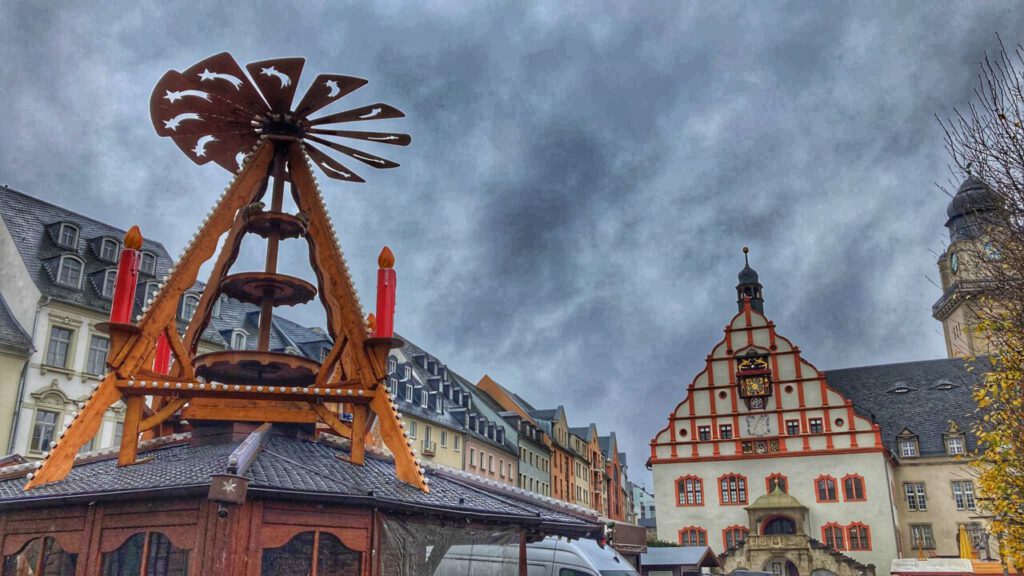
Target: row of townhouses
(57, 286)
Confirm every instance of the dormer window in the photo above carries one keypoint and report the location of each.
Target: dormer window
(408, 372)
(69, 272)
(955, 445)
(109, 280)
(424, 398)
(188, 306)
(954, 440)
(217, 304)
(109, 249)
(908, 447)
(392, 364)
(408, 392)
(238, 339)
(68, 236)
(151, 290)
(148, 264)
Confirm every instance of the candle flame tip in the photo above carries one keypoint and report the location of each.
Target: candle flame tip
(386, 258)
(371, 321)
(133, 238)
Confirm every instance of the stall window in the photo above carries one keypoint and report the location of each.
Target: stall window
(315, 552)
(41, 556)
(146, 554)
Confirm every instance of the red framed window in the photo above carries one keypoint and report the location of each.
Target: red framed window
(859, 536)
(703, 433)
(774, 480)
(825, 489)
(815, 425)
(853, 488)
(834, 536)
(733, 535)
(693, 536)
(689, 491)
(725, 431)
(792, 427)
(732, 489)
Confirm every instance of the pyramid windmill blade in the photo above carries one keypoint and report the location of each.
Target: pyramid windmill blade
(364, 157)
(378, 111)
(327, 89)
(178, 107)
(330, 166)
(204, 148)
(220, 74)
(277, 80)
(392, 138)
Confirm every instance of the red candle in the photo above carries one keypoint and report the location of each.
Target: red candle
(386, 282)
(162, 357)
(127, 277)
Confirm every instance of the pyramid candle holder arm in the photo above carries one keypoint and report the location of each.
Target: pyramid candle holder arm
(214, 112)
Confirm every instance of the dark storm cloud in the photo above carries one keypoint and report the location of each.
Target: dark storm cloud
(582, 177)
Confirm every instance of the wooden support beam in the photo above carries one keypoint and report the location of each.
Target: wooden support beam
(345, 395)
(166, 411)
(237, 410)
(183, 362)
(327, 417)
(359, 419)
(406, 468)
(130, 436)
(83, 428)
(338, 295)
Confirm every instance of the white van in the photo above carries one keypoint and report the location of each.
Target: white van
(549, 557)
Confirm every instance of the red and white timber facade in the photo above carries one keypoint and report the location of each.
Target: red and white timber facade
(729, 441)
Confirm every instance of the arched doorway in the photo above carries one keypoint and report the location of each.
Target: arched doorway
(822, 572)
(780, 566)
(778, 525)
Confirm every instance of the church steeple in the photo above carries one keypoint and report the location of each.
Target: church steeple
(749, 287)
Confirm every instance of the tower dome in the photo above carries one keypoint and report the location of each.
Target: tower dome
(966, 211)
(749, 288)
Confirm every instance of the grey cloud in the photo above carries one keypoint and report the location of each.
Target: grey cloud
(582, 176)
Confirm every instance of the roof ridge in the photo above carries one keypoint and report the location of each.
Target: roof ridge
(78, 214)
(908, 362)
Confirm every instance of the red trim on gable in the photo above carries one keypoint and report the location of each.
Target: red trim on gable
(851, 420)
(726, 457)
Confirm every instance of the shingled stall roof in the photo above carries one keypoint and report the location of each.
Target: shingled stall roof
(922, 397)
(288, 467)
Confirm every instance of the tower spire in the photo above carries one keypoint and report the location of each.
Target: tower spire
(748, 287)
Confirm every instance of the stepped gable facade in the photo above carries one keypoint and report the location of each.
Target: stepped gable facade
(760, 416)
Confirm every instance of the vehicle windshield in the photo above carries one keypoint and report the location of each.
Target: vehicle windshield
(618, 573)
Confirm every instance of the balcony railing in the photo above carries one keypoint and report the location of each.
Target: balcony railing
(429, 448)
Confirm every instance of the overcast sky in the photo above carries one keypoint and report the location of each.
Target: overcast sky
(570, 216)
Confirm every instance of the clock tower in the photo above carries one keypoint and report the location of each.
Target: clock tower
(960, 268)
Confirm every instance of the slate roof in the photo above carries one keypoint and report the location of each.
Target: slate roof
(298, 469)
(689, 556)
(423, 382)
(923, 397)
(12, 335)
(34, 225)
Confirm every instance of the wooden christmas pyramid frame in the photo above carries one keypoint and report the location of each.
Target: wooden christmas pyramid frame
(214, 108)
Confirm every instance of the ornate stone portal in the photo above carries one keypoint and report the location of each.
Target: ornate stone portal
(778, 543)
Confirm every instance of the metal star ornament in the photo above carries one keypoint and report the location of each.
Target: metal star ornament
(216, 112)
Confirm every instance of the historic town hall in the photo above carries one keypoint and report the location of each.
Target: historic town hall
(795, 470)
